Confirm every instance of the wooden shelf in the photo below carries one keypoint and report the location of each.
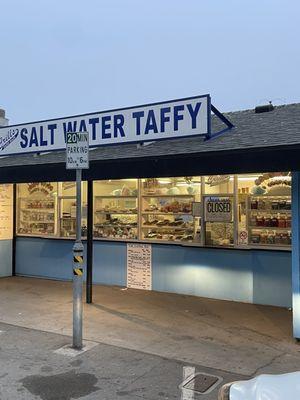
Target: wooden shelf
(116, 197)
(37, 222)
(41, 210)
(182, 228)
(115, 225)
(116, 212)
(288, 196)
(269, 228)
(164, 213)
(266, 211)
(168, 195)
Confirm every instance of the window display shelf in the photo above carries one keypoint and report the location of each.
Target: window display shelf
(165, 213)
(162, 210)
(269, 211)
(38, 210)
(167, 217)
(269, 221)
(166, 227)
(173, 196)
(116, 212)
(115, 225)
(157, 239)
(270, 228)
(116, 197)
(37, 222)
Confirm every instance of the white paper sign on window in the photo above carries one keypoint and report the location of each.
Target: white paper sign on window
(139, 266)
(218, 209)
(6, 212)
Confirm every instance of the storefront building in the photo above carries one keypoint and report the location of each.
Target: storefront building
(220, 215)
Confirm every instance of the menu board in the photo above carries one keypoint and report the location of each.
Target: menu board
(139, 266)
(6, 212)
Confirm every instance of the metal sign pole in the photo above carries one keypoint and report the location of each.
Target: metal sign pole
(77, 270)
(77, 157)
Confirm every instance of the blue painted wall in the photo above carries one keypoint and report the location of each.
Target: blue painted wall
(255, 276)
(296, 252)
(6, 258)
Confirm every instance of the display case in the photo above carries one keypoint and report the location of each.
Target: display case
(265, 210)
(269, 220)
(36, 209)
(67, 209)
(166, 210)
(116, 209)
(242, 211)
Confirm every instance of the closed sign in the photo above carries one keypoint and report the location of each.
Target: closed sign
(218, 209)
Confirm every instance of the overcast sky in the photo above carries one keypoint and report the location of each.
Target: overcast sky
(69, 57)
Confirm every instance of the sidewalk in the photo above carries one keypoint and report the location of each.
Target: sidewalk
(239, 338)
(31, 370)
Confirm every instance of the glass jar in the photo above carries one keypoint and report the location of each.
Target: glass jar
(274, 221)
(281, 221)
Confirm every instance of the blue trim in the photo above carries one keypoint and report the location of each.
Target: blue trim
(225, 120)
(208, 117)
(296, 252)
(255, 276)
(222, 117)
(108, 111)
(214, 135)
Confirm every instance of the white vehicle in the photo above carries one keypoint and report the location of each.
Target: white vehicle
(264, 387)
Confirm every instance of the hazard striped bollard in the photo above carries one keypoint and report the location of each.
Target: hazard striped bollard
(77, 294)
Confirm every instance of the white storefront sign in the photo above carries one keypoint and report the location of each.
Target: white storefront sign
(218, 209)
(166, 120)
(77, 154)
(139, 266)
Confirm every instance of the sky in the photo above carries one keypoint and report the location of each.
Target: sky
(68, 57)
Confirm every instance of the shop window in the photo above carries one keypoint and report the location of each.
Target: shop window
(116, 209)
(169, 211)
(250, 210)
(67, 209)
(219, 184)
(264, 209)
(36, 208)
(218, 204)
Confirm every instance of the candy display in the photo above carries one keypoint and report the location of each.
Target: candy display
(168, 217)
(167, 210)
(117, 218)
(270, 220)
(37, 211)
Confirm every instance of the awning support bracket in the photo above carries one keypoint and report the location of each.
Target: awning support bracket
(229, 124)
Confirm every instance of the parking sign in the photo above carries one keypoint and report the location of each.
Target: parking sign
(77, 150)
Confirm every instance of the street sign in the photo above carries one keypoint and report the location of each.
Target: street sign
(77, 157)
(77, 150)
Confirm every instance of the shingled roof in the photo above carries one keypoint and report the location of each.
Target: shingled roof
(274, 129)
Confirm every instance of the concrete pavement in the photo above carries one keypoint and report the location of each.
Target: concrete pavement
(32, 370)
(238, 338)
